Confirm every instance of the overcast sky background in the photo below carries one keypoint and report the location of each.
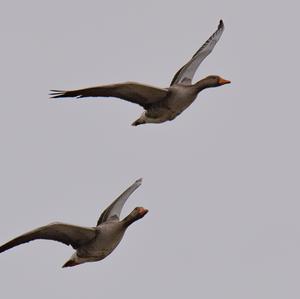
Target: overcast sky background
(221, 182)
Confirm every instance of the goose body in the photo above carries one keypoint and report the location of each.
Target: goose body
(160, 104)
(109, 235)
(177, 100)
(90, 243)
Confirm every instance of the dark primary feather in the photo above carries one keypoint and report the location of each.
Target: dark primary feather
(61, 232)
(220, 27)
(137, 93)
(112, 213)
(192, 65)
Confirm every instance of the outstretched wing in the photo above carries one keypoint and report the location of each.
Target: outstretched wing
(186, 73)
(112, 213)
(133, 92)
(61, 232)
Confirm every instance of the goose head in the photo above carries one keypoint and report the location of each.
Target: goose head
(211, 81)
(135, 215)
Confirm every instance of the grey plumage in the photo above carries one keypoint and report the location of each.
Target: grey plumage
(160, 104)
(186, 73)
(90, 243)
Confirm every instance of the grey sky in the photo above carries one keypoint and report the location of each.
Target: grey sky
(221, 182)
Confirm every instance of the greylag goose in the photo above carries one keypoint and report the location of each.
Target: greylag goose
(160, 104)
(91, 243)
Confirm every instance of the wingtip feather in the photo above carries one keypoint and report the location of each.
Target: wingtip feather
(221, 24)
(56, 93)
(139, 181)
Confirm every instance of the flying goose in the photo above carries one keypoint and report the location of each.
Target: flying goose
(91, 243)
(160, 104)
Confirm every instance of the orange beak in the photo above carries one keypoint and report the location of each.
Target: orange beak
(223, 81)
(143, 211)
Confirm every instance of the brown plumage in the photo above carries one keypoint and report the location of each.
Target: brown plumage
(91, 243)
(160, 104)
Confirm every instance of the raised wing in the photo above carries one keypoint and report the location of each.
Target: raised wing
(61, 232)
(186, 73)
(133, 92)
(112, 213)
